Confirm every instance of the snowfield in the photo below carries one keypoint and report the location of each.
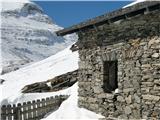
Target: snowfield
(63, 62)
(13, 6)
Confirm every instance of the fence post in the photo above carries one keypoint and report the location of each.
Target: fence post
(29, 110)
(38, 109)
(15, 115)
(9, 112)
(50, 103)
(43, 107)
(19, 111)
(59, 99)
(24, 111)
(47, 104)
(3, 112)
(53, 103)
(34, 109)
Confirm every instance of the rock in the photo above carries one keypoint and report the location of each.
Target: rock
(74, 47)
(92, 100)
(102, 95)
(137, 99)
(36, 87)
(94, 106)
(128, 99)
(153, 41)
(120, 99)
(156, 87)
(97, 90)
(156, 64)
(138, 64)
(122, 117)
(146, 65)
(2, 81)
(151, 97)
(57, 83)
(128, 90)
(155, 55)
(136, 84)
(127, 110)
(157, 82)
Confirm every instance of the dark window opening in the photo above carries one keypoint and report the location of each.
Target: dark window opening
(110, 76)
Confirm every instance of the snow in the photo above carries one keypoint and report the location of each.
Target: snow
(16, 4)
(133, 3)
(13, 1)
(28, 35)
(63, 62)
(69, 109)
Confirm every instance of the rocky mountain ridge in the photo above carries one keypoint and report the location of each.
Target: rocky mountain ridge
(28, 35)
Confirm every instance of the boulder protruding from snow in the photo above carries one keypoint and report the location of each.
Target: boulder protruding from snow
(36, 87)
(2, 81)
(55, 84)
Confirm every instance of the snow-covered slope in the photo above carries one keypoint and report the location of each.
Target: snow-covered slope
(63, 62)
(28, 35)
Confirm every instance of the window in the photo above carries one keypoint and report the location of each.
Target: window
(110, 76)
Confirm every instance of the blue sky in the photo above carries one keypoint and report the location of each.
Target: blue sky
(65, 13)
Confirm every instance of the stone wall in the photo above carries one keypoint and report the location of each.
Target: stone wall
(135, 44)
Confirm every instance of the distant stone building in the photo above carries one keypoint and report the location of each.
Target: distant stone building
(120, 62)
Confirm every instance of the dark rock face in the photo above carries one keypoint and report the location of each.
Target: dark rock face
(36, 87)
(55, 84)
(2, 81)
(135, 44)
(64, 81)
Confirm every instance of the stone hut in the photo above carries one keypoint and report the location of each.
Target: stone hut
(120, 62)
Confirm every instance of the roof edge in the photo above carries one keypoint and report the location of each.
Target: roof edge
(123, 13)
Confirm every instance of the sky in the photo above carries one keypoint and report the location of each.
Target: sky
(68, 13)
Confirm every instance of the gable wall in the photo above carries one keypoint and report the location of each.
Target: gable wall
(135, 43)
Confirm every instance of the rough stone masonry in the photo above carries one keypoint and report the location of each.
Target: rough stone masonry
(134, 42)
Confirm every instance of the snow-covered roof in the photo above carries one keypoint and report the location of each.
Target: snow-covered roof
(123, 13)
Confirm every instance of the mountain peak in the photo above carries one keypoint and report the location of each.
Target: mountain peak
(25, 7)
(8, 5)
(28, 35)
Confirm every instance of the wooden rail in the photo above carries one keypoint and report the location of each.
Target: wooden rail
(31, 110)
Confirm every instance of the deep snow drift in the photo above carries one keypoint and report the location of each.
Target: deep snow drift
(69, 109)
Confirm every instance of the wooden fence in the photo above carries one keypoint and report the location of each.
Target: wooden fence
(34, 110)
